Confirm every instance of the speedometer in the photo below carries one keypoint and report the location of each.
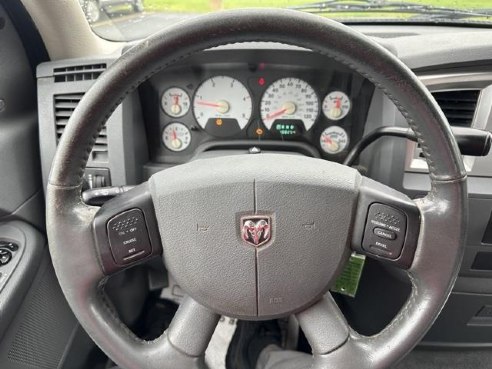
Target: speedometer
(222, 106)
(288, 101)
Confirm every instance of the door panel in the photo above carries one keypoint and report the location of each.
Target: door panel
(20, 180)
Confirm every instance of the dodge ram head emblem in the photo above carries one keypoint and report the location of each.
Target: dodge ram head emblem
(256, 229)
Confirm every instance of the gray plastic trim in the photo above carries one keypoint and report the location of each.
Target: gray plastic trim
(18, 275)
(482, 119)
(125, 128)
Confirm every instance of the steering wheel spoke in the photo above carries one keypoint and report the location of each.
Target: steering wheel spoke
(125, 230)
(324, 325)
(182, 345)
(387, 224)
(192, 327)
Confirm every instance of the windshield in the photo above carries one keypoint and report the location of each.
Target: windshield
(126, 20)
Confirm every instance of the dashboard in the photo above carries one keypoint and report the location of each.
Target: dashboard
(297, 101)
(280, 98)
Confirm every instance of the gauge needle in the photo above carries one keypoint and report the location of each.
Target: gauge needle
(328, 140)
(208, 103)
(276, 114)
(175, 135)
(338, 102)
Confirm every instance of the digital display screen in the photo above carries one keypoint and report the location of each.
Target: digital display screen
(287, 128)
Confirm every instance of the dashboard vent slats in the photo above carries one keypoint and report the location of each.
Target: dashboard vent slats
(458, 106)
(64, 105)
(79, 72)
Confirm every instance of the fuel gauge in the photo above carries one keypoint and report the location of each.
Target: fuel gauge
(334, 140)
(336, 105)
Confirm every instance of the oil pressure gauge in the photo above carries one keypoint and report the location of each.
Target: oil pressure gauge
(176, 136)
(175, 102)
(336, 105)
(334, 140)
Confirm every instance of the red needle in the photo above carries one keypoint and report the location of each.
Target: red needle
(275, 114)
(338, 102)
(328, 140)
(176, 99)
(207, 103)
(175, 135)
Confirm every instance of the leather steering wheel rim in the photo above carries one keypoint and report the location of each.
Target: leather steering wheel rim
(335, 345)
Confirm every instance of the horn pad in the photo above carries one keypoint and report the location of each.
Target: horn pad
(256, 236)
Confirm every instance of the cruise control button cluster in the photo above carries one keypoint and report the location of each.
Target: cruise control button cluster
(128, 237)
(385, 230)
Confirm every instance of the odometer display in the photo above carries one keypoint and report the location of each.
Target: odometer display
(289, 99)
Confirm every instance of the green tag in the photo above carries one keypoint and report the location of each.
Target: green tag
(348, 282)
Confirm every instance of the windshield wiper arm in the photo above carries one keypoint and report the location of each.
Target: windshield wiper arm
(381, 6)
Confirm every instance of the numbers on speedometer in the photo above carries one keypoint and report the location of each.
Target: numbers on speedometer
(222, 106)
(289, 100)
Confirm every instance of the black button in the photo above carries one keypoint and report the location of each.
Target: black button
(384, 233)
(128, 237)
(5, 257)
(385, 230)
(9, 245)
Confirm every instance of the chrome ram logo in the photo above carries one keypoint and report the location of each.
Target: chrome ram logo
(256, 230)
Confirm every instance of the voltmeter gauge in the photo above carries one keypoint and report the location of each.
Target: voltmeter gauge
(176, 136)
(175, 102)
(334, 140)
(336, 105)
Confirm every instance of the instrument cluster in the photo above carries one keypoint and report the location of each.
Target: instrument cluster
(304, 98)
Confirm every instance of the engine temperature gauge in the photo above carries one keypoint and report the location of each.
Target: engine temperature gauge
(334, 140)
(175, 102)
(176, 136)
(336, 105)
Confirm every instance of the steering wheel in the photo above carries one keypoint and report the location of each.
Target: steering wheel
(258, 236)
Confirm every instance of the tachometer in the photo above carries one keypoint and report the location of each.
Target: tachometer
(222, 106)
(289, 100)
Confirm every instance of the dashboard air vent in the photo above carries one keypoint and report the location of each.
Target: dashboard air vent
(458, 106)
(79, 72)
(64, 105)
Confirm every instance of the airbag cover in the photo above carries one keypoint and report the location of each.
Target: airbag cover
(305, 204)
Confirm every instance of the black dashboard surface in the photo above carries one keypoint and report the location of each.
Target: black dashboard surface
(257, 71)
